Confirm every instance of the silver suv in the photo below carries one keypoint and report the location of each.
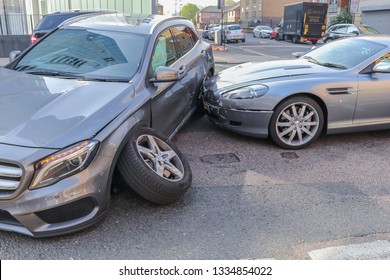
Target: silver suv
(102, 94)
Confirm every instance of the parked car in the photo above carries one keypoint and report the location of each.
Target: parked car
(338, 31)
(50, 21)
(274, 34)
(211, 34)
(234, 33)
(101, 94)
(338, 87)
(262, 31)
(205, 33)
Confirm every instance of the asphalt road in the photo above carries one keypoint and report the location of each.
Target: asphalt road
(249, 199)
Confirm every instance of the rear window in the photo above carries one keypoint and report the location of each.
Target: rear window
(50, 22)
(235, 27)
(368, 30)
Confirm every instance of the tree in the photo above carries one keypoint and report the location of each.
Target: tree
(189, 11)
(344, 17)
(229, 2)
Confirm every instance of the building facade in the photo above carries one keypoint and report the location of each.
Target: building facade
(233, 14)
(18, 17)
(207, 16)
(262, 12)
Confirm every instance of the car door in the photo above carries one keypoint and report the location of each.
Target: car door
(168, 100)
(373, 104)
(192, 60)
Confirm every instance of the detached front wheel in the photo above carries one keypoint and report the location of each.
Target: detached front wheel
(296, 123)
(153, 167)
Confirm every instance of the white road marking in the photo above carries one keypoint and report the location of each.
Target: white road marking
(377, 250)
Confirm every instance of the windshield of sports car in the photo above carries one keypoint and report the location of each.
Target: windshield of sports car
(344, 54)
(86, 54)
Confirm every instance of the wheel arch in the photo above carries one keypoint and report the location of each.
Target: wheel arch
(121, 136)
(317, 99)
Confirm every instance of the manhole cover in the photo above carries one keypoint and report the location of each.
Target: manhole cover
(220, 158)
(289, 155)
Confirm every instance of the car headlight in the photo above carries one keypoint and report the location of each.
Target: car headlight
(64, 163)
(248, 92)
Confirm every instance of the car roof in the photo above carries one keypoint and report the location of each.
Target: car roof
(135, 23)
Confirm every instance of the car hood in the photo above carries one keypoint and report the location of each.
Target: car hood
(255, 71)
(48, 112)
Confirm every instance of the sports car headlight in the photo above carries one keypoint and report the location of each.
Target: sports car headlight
(247, 92)
(63, 164)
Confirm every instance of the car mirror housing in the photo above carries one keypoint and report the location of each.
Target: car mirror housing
(382, 67)
(13, 55)
(165, 74)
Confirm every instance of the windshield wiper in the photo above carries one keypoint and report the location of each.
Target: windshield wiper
(309, 58)
(117, 80)
(334, 65)
(56, 74)
(326, 64)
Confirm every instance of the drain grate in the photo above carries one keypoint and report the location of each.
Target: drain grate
(289, 155)
(220, 158)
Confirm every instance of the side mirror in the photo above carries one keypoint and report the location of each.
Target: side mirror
(13, 55)
(355, 32)
(382, 67)
(165, 74)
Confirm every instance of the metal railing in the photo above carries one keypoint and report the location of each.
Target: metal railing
(18, 23)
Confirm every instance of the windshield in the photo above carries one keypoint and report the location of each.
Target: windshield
(86, 53)
(344, 54)
(368, 29)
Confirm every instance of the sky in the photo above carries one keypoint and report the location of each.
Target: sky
(169, 5)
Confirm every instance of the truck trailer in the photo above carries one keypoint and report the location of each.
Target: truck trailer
(304, 21)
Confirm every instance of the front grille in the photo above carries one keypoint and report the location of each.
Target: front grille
(10, 177)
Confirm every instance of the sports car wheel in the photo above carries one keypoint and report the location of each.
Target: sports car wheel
(296, 123)
(153, 167)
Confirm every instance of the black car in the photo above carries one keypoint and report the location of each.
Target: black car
(51, 21)
(342, 30)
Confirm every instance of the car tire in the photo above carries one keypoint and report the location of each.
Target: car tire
(243, 40)
(296, 123)
(295, 39)
(328, 40)
(314, 42)
(153, 167)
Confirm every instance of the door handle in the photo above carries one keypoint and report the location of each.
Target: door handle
(182, 70)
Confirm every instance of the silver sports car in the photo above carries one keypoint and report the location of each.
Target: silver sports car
(343, 86)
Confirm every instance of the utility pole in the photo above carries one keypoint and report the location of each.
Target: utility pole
(221, 5)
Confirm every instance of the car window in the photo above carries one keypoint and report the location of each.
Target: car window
(91, 53)
(165, 53)
(185, 39)
(342, 29)
(52, 21)
(235, 27)
(352, 29)
(385, 58)
(332, 55)
(369, 30)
